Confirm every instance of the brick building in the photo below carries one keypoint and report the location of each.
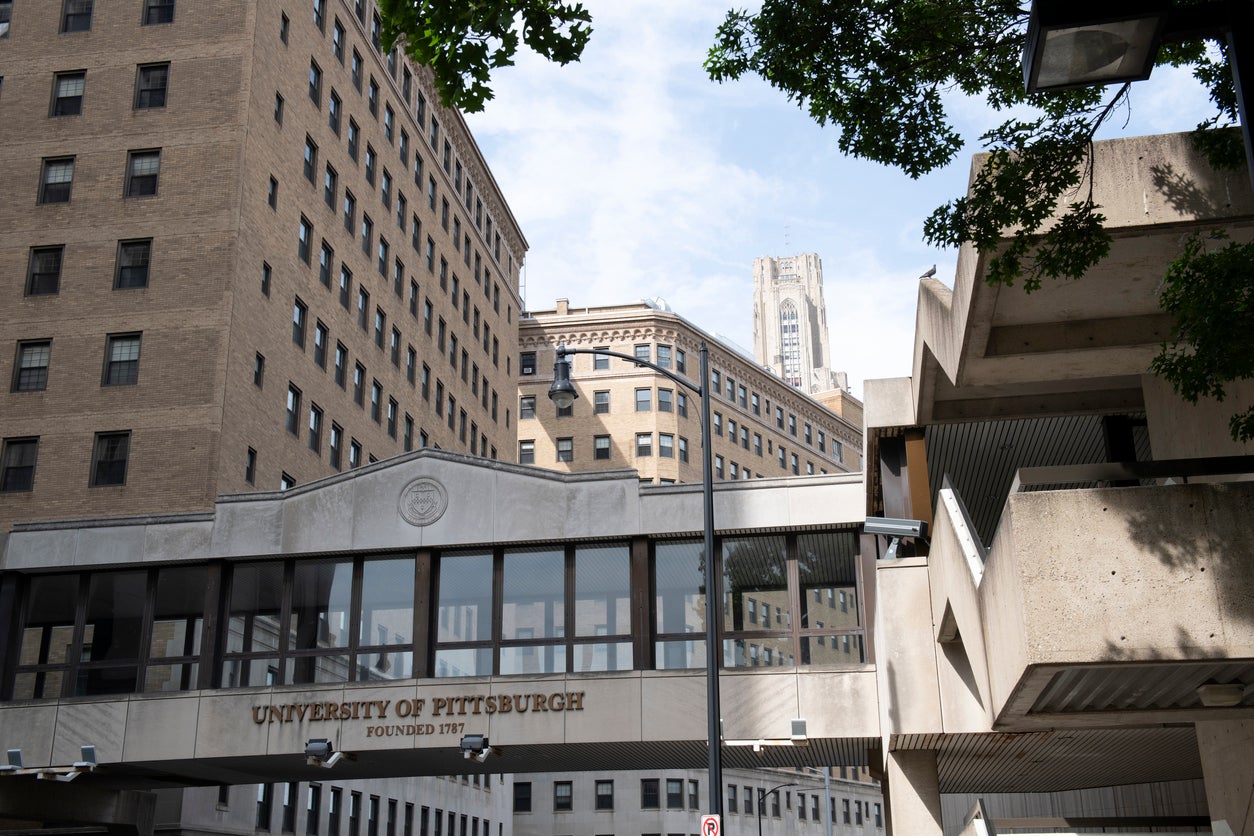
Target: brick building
(246, 250)
(628, 416)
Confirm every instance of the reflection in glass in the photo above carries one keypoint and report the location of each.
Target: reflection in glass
(602, 656)
(240, 672)
(325, 667)
(547, 658)
(29, 686)
(680, 587)
(385, 665)
(115, 611)
(534, 594)
(468, 661)
(832, 650)
(678, 576)
(465, 599)
(677, 655)
(170, 677)
(387, 602)
(828, 574)
(321, 597)
(49, 621)
(115, 615)
(602, 591)
(256, 601)
(755, 582)
(758, 652)
(178, 612)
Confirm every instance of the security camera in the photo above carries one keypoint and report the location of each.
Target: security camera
(895, 528)
(320, 752)
(475, 747)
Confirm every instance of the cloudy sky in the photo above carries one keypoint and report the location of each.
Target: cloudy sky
(634, 176)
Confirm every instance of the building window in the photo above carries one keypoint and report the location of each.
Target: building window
(354, 453)
(527, 452)
(76, 16)
(601, 448)
(649, 794)
(142, 170)
(644, 444)
(376, 397)
(284, 26)
(17, 464)
(122, 360)
(527, 406)
(265, 803)
(67, 93)
(321, 336)
(293, 409)
(341, 364)
(683, 449)
(259, 369)
(315, 83)
(732, 804)
(300, 316)
(644, 400)
(527, 363)
(108, 459)
(311, 158)
(681, 405)
(565, 450)
(601, 402)
(272, 195)
(153, 79)
(250, 467)
(304, 239)
(356, 69)
(665, 400)
(666, 445)
(315, 428)
(158, 11)
(6, 13)
(30, 373)
(562, 796)
(337, 41)
(56, 179)
(605, 795)
(278, 108)
(522, 799)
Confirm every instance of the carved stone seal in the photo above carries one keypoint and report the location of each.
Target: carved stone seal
(423, 501)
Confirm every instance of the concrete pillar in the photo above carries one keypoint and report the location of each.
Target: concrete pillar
(1227, 750)
(912, 794)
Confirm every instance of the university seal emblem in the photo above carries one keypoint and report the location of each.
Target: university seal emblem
(423, 501)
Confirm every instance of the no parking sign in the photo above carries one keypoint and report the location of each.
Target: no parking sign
(711, 826)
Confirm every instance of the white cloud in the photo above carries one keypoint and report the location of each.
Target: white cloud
(633, 175)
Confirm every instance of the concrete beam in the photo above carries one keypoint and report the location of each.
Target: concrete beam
(121, 812)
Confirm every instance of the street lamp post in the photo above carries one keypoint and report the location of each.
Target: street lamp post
(563, 393)
(826, 772)
(762, 794)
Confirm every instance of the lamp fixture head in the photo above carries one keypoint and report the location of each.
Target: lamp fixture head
(562, 391)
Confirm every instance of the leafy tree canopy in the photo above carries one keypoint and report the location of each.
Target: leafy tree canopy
(880, 71)
(463, 42)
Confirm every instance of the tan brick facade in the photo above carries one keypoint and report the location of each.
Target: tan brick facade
(194, 411)
(820, 440)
